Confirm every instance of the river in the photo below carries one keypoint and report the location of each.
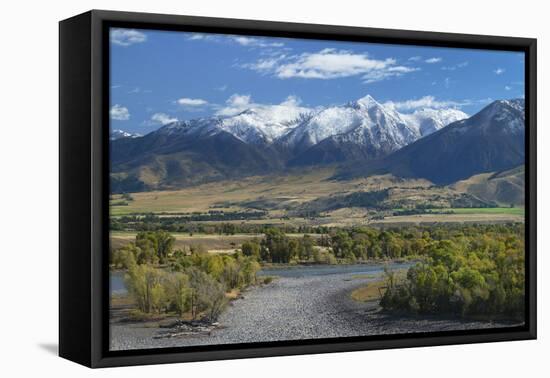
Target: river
(118, 286)
(301, 303)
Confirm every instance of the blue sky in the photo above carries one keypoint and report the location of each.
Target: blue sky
(162, 76)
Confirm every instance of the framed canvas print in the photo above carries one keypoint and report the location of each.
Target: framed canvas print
(233, 188)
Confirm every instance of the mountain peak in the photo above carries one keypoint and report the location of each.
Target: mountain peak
(509, 114)
(498, 105)
(367, 102)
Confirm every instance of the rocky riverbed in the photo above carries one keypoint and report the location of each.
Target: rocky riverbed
(291, 308)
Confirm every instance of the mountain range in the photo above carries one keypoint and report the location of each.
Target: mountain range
(362, 137)
(492, 140)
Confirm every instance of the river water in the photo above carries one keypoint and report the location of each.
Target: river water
(118, 286)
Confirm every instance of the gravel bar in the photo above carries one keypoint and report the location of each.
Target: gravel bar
(293, 308)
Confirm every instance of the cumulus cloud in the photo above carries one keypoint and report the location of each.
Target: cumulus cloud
(425, 102)
(416, 58)
(163, 118)
(237, 103)
(185, 101)
(329, 64)
(433, 60)
(127, 37)
(499, 71)
(119, 113)
(507, 87)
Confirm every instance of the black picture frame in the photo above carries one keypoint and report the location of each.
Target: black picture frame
(84, 187)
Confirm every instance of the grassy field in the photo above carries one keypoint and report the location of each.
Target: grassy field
(280, 196)
(213, 243)
(472, 217)
(491, 210)
(237, 195)
(373, 290)
(370, 292)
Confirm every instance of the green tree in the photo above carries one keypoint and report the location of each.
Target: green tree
(179, 292)
(146, 285)
(251, 248)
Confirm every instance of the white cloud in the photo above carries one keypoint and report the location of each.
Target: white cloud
(415, 58)
(255, 42)
(137, 90)
(433, 60)
(163, 118)
(222, 88)
(267, 65)
(238, 103)
(235, 104)
(425, 102)
(119, 113)
(329, 64)
(499, 71)
(455, 67)
(379, 75)
(127, 37)
(292, 101)
(192, 101)
(507, 87)
(238, 100)
(239, 39)
(197, 36)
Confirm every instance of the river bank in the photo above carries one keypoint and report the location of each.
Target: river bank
(299, 304)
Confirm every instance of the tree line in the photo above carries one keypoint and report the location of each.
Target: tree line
(346, 245)
(191, 224)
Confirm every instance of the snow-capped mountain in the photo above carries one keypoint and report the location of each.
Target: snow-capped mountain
(503, 116)
(267, 138)
(365, 122)
(118, 134)
(256, 125)
(265, 124)
(491, 140)
(371, 122)
(363, 129)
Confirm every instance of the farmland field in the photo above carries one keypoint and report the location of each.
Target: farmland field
(314, 198)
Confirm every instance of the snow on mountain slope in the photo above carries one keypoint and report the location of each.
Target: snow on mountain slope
(491, 140)
(363, 122)
(265, 123)
(118, 134)
(256, 125)
(507, 116)
(428, 120)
